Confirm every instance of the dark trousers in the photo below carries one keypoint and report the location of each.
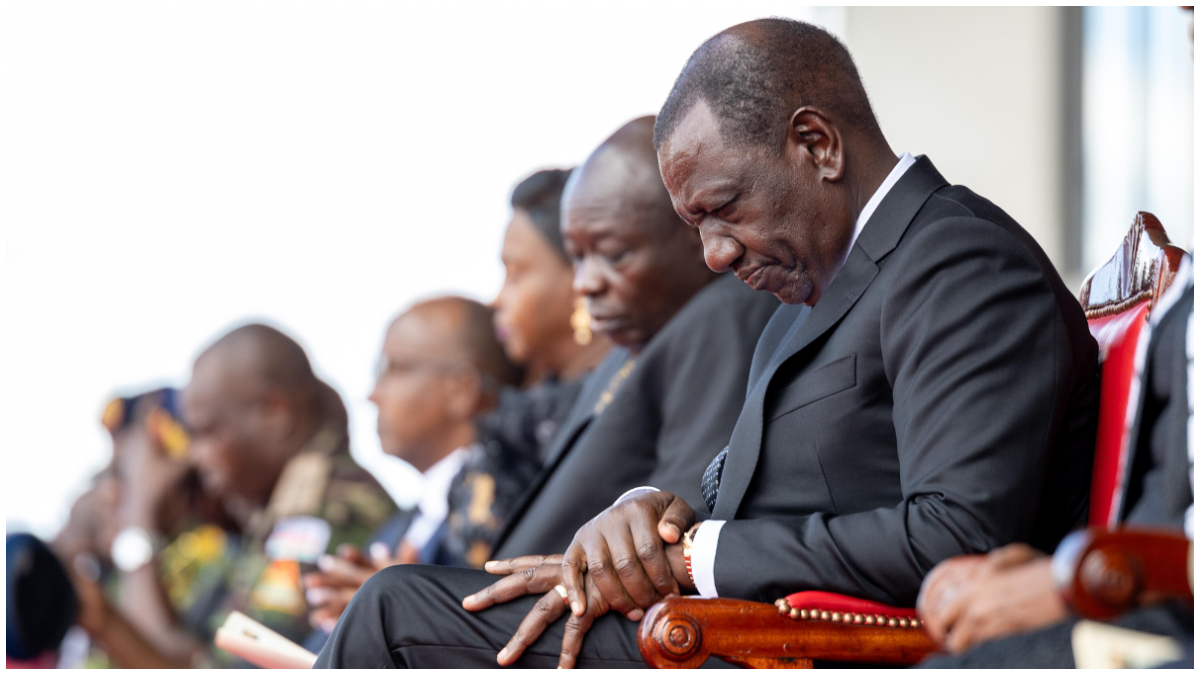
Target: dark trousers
(411, 616)
(1050, 647)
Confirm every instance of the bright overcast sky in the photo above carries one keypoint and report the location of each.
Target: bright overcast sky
(173, 170)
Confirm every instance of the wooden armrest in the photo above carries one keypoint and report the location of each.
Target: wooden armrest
(684, 632)
(1104, 573)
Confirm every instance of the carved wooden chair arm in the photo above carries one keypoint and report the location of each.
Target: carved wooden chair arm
(1104, 573)
(684, 632)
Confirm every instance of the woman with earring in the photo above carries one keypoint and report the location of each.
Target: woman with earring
(545, 327)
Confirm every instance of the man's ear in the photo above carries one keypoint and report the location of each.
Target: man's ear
(278, 414)
(812, 133)
(466, 396)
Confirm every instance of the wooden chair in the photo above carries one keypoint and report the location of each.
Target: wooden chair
(811, 625)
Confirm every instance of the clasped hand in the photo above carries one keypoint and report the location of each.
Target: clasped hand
(625, 560)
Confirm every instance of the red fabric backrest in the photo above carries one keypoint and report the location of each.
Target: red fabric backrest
(1117, 335)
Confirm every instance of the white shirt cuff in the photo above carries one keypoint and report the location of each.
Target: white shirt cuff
(704, 557)
(635, 491)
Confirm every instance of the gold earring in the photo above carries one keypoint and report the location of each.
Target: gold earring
(581, 323)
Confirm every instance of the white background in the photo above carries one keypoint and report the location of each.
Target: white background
(174, 170)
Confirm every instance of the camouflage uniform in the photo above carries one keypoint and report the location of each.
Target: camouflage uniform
(323, 499)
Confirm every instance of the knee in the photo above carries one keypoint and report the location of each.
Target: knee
(391, 581)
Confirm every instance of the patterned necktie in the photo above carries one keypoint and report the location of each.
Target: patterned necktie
(711, 482)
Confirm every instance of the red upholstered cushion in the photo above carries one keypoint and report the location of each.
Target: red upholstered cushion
(833, 602)
(1118, 339)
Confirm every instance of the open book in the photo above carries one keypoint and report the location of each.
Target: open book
(254, 642)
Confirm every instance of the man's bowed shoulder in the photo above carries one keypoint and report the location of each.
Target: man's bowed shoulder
(723, 314)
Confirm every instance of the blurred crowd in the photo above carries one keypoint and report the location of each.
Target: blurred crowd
(586, 407)
(238, 493)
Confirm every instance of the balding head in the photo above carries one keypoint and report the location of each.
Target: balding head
(440, 367)
(253, 403)
(636, 262)
(755, 75)
(620, 181)
(264, 357)
(460, 330)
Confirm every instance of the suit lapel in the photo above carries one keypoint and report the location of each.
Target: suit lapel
(880, 235)
(581, 415)
(746, 442)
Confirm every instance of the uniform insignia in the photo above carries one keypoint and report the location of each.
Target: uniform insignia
(279, 589)
(299, 538)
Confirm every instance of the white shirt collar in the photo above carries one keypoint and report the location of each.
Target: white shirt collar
(434, 504)
(906, 160)
(436, 491)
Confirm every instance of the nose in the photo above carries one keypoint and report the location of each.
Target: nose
(588, 282)
(720, 250)
(498, 301)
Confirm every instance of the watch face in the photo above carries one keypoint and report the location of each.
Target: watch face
(131, 549)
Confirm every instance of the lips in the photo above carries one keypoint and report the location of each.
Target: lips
(754, 278)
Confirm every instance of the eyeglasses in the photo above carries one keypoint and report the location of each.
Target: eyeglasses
(386, 367)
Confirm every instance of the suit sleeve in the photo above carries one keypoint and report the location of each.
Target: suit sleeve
(701, 391)
(974, 345)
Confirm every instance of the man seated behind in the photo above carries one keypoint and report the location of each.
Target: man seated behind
(642, 275)
(928, 390)
(271, 439)
(1004, 610)
(441, 366)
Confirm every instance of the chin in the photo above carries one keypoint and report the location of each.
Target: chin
(796, 293)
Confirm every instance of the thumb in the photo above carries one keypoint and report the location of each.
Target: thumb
(675, 520)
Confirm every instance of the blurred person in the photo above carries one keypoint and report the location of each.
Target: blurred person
(1004, 609)
(545, 327)
(270, 439)
(540, 319)
(440, 367)
(40, 603)
(926, 391)
(655, 411)
(103, 542)
(664, 402)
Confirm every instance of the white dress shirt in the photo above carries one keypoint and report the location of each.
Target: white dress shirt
(434, 505)
(704, 542)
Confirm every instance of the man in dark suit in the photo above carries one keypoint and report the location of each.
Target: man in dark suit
(664, 401)
(662, 404)
(929, 391)
(439, 367)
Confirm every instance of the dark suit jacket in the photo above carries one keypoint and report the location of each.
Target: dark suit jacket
(940, 399)
(1156, 486)
(665, 423)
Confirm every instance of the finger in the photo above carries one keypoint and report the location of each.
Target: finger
(511, 565)
(352, 553)
(653, 555)
(962, 635)
(315, 580)
(342, 571)
(635, 580)
(574, 565)
(602, 571)
(573, 632)
(675, 520)
(381, 554)
(528, 581)
(578, 626)
(1013, 554)
(951, 615)
(545, 612)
